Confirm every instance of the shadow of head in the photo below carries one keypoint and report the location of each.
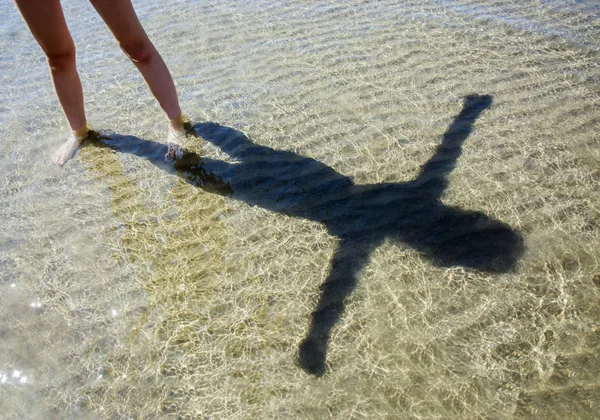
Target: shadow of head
(361, 217)
(473, 240)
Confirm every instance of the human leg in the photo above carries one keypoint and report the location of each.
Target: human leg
(121, 19)
(47, 24)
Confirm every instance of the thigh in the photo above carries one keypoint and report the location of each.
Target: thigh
(46, 22)
(121, 19)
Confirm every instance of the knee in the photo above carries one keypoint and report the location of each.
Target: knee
(63, 60)
(138, 51)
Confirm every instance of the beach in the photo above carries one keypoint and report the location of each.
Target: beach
(428, 169)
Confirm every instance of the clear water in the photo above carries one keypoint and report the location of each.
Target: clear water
(133, 288)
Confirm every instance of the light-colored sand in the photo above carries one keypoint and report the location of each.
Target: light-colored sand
(126, 292)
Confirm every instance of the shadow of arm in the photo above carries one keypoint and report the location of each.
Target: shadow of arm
(349, 259)
(435, 171)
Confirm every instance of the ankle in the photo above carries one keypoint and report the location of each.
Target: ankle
(82, 132)
(177, 124)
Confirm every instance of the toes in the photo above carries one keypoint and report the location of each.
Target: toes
(174, 152)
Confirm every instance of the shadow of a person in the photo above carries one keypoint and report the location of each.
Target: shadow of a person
(360, 216)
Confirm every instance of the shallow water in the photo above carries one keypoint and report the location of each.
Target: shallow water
(333, 142)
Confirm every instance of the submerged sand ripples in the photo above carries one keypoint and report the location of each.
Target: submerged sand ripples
(158, 298)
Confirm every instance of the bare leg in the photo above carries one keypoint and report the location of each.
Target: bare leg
(121, 19)
(47, 24)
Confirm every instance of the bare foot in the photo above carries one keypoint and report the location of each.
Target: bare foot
(68, 148)
(175, 144)
(177, 137)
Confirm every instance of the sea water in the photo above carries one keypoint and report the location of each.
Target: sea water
(130, 288)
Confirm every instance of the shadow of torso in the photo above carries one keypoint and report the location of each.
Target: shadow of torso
(360, 216)
(411, 213)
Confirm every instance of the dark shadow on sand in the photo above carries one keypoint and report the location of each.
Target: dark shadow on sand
(360, 216)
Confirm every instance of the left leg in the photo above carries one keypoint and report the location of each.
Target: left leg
(47, 23)
(122, 21)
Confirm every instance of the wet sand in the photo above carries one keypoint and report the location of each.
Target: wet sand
(456, 244)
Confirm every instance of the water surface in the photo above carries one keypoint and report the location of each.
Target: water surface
(131, 287)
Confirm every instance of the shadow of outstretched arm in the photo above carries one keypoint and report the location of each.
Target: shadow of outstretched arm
(360, 216)
(350, 257)
(433, 177)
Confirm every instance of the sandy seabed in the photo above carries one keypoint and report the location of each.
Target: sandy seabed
(468, 280)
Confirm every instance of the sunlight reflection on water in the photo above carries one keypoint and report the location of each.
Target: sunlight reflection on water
(128, 292)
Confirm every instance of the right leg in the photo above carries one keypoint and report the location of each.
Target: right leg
(121, 19)
(47, 24)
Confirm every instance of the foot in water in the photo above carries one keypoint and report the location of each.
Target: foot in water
(68, 148)
(178, 128)
(175, 144)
